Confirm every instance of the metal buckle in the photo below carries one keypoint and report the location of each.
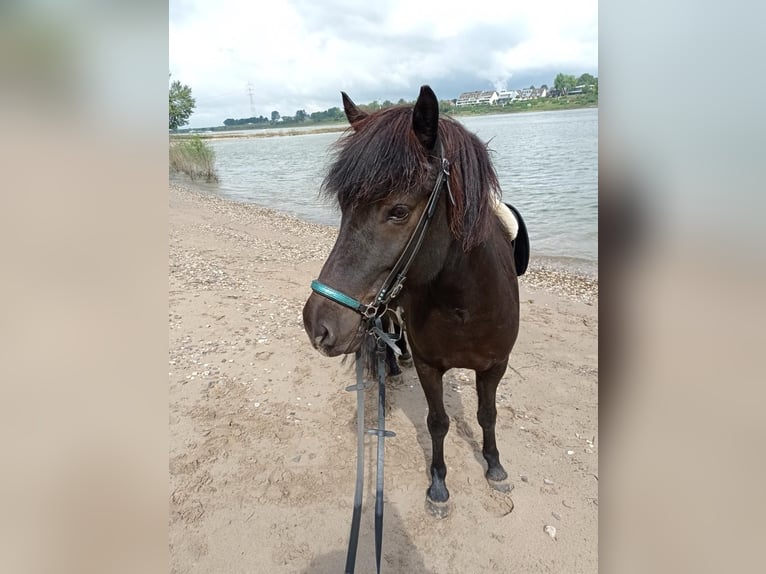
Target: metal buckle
(370, 311)
(397, 288)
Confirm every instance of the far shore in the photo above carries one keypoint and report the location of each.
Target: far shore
(270, 132)
(264, 132)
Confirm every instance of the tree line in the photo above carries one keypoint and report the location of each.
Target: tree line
(565, 83)
(333, 114)
(182, 104)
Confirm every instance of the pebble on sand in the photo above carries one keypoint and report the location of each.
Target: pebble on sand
(550, 531)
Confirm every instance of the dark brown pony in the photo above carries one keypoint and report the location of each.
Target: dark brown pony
(461, 295)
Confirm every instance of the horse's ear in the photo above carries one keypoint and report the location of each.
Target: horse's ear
(425, 118)
(353, 113)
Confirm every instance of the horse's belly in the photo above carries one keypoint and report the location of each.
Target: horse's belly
(448, 342)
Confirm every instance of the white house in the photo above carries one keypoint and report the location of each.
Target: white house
(475, 98)
(489, 97)
(506, 96)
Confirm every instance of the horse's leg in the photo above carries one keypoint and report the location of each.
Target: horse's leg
(437, 494)
(405, 360)
(393, 366)
(486, 388)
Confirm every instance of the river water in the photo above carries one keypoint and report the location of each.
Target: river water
(547, 163)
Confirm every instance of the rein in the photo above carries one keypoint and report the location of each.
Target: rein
(371, 315)
(381, 432)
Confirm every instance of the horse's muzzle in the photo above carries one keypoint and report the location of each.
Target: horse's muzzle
(332, 329)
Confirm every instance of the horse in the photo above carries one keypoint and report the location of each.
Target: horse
(393, 168)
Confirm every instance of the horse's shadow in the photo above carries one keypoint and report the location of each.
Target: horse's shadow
(399, 552)
(415, 407)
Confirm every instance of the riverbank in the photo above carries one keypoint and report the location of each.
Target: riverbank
(319, 128)
(264, 132)
(261, 431)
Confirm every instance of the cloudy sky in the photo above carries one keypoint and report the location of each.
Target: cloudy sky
(299, 54)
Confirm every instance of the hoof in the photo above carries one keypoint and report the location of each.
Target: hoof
(438, 510)
(500, 485)
(405, 361)
(395, 380)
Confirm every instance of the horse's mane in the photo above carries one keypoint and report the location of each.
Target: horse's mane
(381, 155)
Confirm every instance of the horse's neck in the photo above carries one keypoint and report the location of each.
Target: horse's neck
(485, 271)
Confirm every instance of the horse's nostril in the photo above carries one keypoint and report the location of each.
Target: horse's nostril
(318, 323)
(323, 337)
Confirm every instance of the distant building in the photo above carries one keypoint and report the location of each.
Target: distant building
(506, 96)
(477, 98)
(468, 98)
(501, 97)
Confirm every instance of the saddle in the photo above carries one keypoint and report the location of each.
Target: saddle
(517, 229)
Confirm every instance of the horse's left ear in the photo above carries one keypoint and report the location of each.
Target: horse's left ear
(425, 118)
(353, 113)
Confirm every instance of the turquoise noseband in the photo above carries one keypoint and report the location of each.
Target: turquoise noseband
(338, 297)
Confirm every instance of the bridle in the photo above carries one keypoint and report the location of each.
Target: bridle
(394, 282)
(371, 318)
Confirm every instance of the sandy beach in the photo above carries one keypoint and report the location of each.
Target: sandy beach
(262, 439)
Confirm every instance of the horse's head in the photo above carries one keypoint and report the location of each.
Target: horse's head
(388, 166)
(382, 178)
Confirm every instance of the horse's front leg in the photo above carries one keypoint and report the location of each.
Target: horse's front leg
(437, 495)
(486, 388)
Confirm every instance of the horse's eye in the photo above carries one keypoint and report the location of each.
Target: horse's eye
(399, 213)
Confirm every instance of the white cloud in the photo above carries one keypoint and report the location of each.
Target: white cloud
(301, 53)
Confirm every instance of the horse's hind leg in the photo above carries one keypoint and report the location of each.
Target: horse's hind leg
(437, 494)
(392, 365)
(486, 388)
(394, 372)
(405, 359)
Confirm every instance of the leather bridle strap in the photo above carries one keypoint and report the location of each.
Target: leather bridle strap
(395, 280)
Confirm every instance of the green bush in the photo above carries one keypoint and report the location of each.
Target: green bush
(193, 157)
